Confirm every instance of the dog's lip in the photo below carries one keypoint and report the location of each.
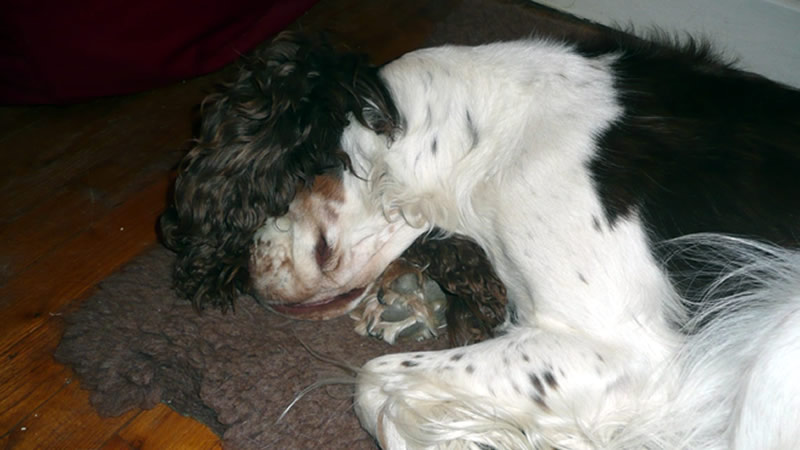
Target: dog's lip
(322, 309)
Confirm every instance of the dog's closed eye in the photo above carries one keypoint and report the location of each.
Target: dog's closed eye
(322, 251)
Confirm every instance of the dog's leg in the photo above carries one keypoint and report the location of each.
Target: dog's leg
(435, 277)
(530, 388)
(404, 302)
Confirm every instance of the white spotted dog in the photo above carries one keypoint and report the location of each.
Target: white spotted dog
(568, 165)
(578, 166)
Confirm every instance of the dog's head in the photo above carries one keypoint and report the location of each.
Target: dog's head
(269, 156)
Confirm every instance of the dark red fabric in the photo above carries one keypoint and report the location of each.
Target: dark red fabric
(56, 51)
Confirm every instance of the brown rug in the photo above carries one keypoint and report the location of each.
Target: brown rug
(134, 343)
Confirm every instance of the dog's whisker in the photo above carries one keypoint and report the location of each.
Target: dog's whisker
(317, 384)
(344, 365)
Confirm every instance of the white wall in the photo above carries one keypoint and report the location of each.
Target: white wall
(763, 34)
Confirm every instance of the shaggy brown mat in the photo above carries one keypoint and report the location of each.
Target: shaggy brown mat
(134, 344)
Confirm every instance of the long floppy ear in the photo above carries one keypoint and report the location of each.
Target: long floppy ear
(264, 136)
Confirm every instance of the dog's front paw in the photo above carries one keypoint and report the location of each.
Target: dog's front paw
(403, 303)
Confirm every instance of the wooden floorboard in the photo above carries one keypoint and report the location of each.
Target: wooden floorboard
(117, 443)
(81, 187)
(30, 376)
(66, 420)
(162, 428)
(76, 265)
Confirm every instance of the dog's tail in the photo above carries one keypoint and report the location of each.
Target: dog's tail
(739, 382)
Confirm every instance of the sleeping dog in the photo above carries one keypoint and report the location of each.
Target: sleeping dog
(639, 200)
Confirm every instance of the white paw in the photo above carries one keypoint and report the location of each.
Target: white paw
(371, 402)
(405, 405)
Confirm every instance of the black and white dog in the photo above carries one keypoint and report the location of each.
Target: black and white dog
(615, 185)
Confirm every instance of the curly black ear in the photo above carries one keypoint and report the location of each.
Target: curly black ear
(264, 136)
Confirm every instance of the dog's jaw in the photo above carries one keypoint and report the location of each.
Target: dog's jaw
(318, 260)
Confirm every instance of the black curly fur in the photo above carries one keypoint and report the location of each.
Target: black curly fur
(264, 136)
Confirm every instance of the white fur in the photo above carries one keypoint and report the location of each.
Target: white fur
(363, 244)
(495, 145)
(592, 305)
(738, 384)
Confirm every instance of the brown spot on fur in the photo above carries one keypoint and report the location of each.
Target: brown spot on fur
(321, 200)
(328, 187)
(596, 224)
(540, 401)
(550, 380)
(537, 383)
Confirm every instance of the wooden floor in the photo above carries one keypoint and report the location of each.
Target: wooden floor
(82, 186)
